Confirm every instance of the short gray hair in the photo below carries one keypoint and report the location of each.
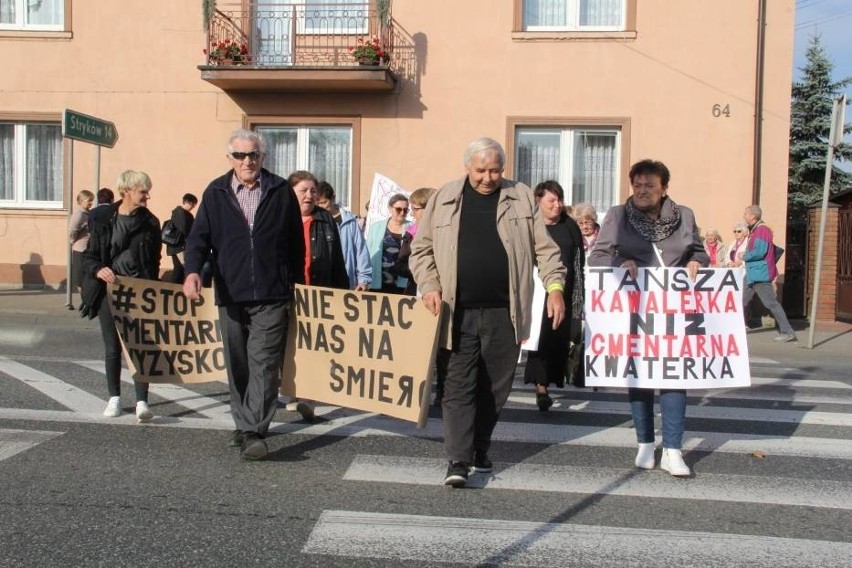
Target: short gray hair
(243, 134)
(583, 211)
(482, 146)
(755, 210)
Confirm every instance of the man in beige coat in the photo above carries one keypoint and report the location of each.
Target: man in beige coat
(473, 259)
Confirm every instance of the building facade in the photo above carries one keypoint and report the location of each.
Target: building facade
(576, 90)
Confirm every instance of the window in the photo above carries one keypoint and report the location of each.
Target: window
(32, 14)
(584, 160)
(31, 165)
(348, 17)
(574, 15)
(323, 150)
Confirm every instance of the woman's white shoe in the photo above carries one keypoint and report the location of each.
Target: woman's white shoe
(672, 462)
(645, 456)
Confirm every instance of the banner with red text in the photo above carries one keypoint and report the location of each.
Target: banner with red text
(663, 330)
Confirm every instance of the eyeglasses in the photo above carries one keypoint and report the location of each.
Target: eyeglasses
(416, 208)
(738, 231)
(253, 156)
(401, 209)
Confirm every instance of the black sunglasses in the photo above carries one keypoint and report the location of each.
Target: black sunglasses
(253, 156)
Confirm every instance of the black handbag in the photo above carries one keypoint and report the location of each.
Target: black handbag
(171, 235)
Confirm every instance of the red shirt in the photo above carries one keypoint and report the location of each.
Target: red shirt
(306, 227)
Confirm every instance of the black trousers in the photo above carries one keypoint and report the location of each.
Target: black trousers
(253, 335)
(480, 370)
(112, 356)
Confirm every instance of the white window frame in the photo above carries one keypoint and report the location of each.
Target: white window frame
(21, 14)
(303, 150)
(573, 24)
(304, 8)
(19, 177)
(566, 156)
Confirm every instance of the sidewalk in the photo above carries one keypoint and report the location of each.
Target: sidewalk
(831, 339)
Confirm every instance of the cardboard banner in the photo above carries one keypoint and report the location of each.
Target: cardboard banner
(362, 350)
(166, 337)
(664, 331)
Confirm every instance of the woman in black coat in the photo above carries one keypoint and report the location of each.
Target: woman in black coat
(126, 243)
(546, 366)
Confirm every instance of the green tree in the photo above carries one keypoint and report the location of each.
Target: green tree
(810, 124)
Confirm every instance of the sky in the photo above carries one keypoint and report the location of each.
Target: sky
(832, 20)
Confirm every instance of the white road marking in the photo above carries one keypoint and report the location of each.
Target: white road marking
(611, 481)
(475, 542)
(65, 394)
(21, 337)
(185, 397)
(16, 441)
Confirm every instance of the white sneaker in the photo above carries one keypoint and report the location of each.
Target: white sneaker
(143, 413)
(672, 462)
(645, 456)
(113, 408)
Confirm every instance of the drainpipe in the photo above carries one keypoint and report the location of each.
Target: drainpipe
(758, 101)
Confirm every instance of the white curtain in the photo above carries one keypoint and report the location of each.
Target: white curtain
(45, 12)
(7, 11)
(7, 161)
(601, 13)
(281, 149)
(595, 158)
(44, 162)
(538, 156)
(330, 159)
(273, 21)
(539, 13)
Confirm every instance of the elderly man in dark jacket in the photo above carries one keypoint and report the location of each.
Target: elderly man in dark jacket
(249, 222)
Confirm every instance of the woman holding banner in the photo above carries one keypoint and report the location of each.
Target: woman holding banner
(651, 230)
(126, 243)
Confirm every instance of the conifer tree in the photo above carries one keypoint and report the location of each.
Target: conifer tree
(810, 124)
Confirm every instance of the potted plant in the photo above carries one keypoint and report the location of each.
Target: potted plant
(227, 52)
(369, 52)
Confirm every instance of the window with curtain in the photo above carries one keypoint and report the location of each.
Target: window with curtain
(574, 15)
(335, 17)
(325, 151)
(31, 165)
(32, 14)
(585, 161)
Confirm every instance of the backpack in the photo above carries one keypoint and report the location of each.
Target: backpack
(170, 234)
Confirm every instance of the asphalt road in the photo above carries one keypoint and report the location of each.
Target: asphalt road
(359, 490)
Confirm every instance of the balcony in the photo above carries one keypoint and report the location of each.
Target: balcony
(299, 47)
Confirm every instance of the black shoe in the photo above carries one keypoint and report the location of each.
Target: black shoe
(457, 474)
(481, 463)
(237, 439)
(543, 400)
(439, 396)
(253, 448)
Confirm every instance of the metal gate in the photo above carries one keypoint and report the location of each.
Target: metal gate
(844, 265)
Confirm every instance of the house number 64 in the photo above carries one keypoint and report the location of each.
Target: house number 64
(721, 110)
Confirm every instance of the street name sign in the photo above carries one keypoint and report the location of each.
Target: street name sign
(79, 126)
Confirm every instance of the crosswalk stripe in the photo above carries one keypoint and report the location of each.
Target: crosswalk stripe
(800, 383)
(488, 542)
(781, 416)
(354, 424)
(16, 441)
(610, 481)
(67, 395)
(182, 396)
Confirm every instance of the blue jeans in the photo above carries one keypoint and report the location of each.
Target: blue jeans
(673, 409)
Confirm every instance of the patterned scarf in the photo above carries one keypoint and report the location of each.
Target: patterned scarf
(654, 231)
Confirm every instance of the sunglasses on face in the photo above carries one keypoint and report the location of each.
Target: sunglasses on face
(253, 156)
(401, 209)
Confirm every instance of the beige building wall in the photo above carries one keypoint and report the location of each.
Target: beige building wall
(470, 74)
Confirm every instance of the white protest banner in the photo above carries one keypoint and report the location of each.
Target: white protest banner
(537, 313)
(362, 350)
(166, 337)
(664, 331)
(383, 189)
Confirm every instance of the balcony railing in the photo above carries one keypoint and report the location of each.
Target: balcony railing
(286, 35)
